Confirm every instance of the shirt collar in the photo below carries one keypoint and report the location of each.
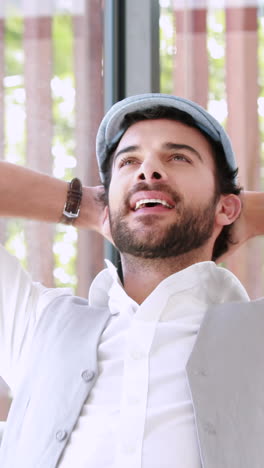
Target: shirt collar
(107, 289)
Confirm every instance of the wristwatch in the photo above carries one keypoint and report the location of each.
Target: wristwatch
(71, 209)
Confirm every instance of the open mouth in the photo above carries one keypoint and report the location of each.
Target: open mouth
(150, 203)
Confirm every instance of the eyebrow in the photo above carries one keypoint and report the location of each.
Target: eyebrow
(127, 149)
(165, 146)
(179, 146)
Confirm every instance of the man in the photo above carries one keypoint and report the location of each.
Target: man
(105, 385)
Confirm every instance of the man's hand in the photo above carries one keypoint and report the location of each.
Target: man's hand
(94, 211)
(94, 215)
(249, 224)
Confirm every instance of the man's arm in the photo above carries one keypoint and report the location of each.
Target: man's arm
(30, 194)
(250, 223)
(33, 195)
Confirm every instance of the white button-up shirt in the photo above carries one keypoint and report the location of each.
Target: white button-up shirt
(139, 413)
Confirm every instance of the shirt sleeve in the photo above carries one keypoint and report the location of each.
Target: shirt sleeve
(22, 302)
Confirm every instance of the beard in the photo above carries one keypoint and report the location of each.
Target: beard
(192, 228)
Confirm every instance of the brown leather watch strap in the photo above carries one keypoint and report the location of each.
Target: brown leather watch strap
(71, 209)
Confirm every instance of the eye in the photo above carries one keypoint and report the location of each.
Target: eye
(128, 161)
(180, 157)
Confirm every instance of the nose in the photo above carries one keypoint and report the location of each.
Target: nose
(151, 170)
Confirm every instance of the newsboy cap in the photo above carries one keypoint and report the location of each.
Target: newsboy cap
(111, 124)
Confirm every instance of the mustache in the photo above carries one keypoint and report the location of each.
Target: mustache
(159, 186)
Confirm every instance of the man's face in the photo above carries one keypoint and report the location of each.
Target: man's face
(162, 192)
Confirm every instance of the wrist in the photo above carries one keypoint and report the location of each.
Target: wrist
(92, 208)
(71, 210)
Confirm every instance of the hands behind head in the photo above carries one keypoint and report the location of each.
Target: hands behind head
(94, 216)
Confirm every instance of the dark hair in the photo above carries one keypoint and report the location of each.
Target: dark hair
(224, 175)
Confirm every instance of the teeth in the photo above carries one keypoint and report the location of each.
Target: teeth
(143, 202)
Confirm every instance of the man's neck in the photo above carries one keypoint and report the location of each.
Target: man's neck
(141, 276)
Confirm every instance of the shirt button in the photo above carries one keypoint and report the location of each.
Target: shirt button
(61, 435)
(87, 375)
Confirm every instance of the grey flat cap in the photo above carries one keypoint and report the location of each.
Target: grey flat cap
(110, 125)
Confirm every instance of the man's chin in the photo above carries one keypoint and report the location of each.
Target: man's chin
(149, 234)
(145, 243)
(154, 236)
(152, 221)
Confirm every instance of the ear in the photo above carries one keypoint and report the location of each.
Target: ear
(228, 209)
